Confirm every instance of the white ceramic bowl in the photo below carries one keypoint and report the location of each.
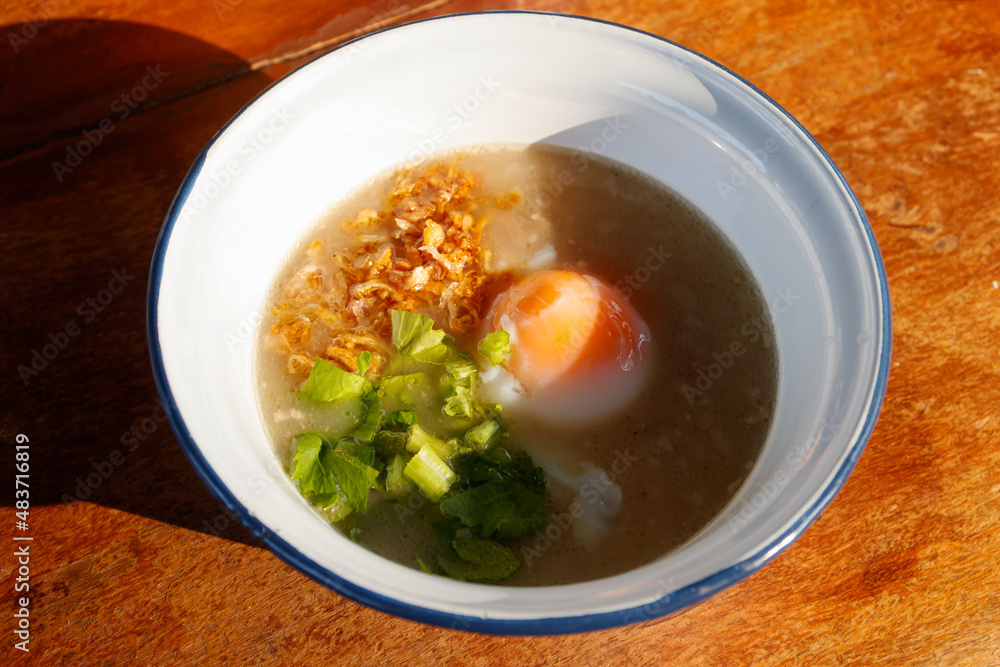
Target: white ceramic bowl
(522, 78)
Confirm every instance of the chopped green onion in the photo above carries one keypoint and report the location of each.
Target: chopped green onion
(419, 438)
(338, 510)
(487, 495)
(458, 388)
(481, 436)
(461, 370)
(430, 473)
(495, 346)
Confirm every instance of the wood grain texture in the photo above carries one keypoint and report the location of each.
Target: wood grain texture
(149, 569)
(70, 65)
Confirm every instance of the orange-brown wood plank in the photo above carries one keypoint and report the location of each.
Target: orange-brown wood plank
(149, 569)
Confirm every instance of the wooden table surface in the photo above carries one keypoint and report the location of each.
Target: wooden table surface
(103, 106)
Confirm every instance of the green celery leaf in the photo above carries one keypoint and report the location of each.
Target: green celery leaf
(364, 453)
(495, 346)
(407, 327)
(504, 507)
(431, 347)
(325, 472)
(328, 382)
(414, 335)
(371, 419)
(364, 361)
(476, 466)
(523, 470)
(312, 477)
(349, 465)
(400, 419)
(446, 528)
(478, 559)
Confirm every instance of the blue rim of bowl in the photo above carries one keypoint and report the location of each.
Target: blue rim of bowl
(669, 603)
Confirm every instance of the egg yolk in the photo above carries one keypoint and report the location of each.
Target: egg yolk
(576, 341)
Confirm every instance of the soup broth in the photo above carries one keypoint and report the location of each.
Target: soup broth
(623, 489)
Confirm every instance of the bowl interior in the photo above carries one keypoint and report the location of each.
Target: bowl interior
(522, 78)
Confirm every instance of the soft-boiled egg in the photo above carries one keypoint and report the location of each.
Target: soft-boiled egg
(579, 349)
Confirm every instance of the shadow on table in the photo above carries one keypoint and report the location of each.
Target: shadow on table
(99, 122)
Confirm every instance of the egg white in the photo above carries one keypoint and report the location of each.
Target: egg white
(605, 390)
